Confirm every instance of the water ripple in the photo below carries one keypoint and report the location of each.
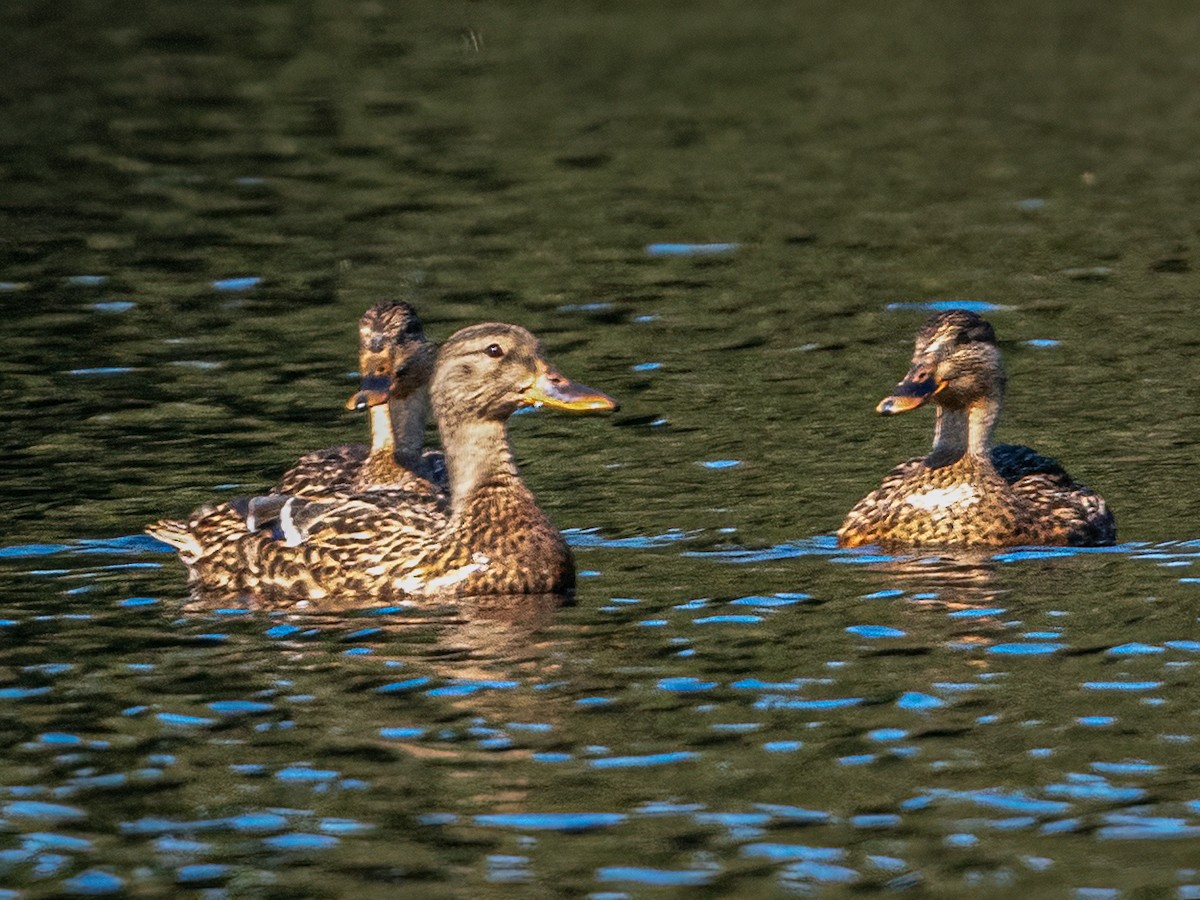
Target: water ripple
(654, 877)
(790, 852)
(648, 760)
(591, 538)
(565, 822)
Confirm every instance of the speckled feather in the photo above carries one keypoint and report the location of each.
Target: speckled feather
(1021, 498)
(353, 468)
(360, 549)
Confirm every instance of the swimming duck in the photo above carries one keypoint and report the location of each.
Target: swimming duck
(396, 363)
(967, 492)
(495, 539)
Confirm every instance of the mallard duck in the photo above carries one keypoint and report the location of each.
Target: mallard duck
(495, 540)
(967, 492)
(395, 362)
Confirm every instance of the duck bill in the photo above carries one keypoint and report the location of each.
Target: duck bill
(556, 391)
(374, 390)
(909, 394)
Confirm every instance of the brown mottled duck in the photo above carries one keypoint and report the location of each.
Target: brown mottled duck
(362, 548)
(966, 492)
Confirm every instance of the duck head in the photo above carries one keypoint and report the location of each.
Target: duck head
(955, 363)
(394, 356)
(489, 371)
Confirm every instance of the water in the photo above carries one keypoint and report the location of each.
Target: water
(199, 203)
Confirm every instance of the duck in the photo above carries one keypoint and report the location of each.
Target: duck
(395, 363)
(361, 548)
(968, 492)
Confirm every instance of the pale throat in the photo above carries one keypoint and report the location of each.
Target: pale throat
(959, 432)
(382, 439)
(477, 452)
(399, 427)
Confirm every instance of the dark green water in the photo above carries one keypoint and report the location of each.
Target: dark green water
(197, 202)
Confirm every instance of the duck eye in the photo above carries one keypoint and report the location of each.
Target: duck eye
(413, 327)
(495, 351)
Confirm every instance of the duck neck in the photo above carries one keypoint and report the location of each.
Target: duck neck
(477, 456)
(398, 428)
(981, 421)
(382, 436)
(959, 432)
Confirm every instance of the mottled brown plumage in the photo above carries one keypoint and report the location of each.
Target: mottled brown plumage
(346, 550)
(967, 492)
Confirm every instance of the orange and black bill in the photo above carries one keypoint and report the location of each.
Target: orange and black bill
(554, 390)
(912, 392)
(373, 390)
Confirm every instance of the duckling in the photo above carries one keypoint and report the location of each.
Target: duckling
(396, 363)
(362, 548)
(966, 492)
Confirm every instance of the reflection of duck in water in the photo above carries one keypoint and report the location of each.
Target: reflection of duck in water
(363, 548)
(475, 664)
(954, 580)
(967, 492)
(396, 363)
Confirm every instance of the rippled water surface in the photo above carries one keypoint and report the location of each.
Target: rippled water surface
(732, 218)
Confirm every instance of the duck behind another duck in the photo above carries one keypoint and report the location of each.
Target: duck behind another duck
(395, 360)
(966, 492)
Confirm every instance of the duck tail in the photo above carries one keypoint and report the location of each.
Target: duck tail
(178, 535)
